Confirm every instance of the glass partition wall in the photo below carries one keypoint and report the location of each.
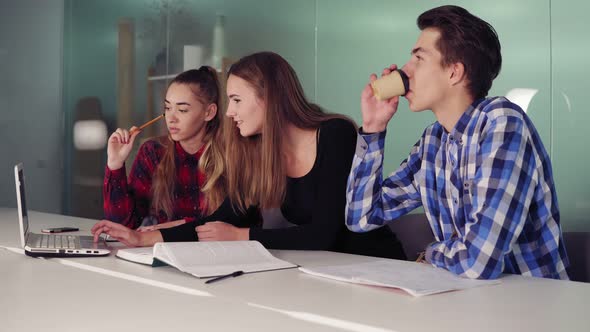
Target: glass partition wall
(121, 55)
(115, 59)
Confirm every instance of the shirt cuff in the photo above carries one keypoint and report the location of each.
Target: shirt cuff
(182, 233)
(115, 174)
(254, 234)
(429, 252)
(367, 143)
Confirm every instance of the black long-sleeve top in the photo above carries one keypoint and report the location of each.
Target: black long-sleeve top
(315, 203)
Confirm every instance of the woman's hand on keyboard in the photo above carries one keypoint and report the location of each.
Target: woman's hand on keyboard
(128, 237)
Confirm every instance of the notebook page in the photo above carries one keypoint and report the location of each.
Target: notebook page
(204, 259)
(143, 255)
(418, 279)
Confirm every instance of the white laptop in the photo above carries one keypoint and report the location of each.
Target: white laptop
(51, 245)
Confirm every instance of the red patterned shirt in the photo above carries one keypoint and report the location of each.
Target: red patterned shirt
(129, 202)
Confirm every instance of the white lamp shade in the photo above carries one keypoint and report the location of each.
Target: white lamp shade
(90, 135)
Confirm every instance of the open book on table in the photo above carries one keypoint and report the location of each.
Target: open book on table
(418, 279)
(207, 259)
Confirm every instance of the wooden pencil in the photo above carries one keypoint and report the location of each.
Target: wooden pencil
(147, 124)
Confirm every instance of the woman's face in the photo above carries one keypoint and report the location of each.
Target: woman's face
(244, 107)
(186, 116)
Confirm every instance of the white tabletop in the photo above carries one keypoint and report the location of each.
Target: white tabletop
(269, 301)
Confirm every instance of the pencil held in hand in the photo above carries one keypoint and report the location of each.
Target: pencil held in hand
(146, 124)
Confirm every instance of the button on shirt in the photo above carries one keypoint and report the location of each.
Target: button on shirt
(486, 188)
(128, 202)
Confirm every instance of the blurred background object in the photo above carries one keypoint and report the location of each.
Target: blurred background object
(90, 138)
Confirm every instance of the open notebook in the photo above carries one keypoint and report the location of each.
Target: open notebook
(418, 279)
(207, 259)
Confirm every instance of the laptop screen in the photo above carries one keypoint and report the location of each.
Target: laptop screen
(21, 201)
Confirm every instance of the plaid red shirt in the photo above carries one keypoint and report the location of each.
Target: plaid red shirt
(128, 203)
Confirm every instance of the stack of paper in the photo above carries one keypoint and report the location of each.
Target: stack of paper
(418, 279)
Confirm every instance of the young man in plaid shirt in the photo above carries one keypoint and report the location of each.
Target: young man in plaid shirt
(481, 171)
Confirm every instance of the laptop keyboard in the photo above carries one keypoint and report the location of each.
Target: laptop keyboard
(56, 241)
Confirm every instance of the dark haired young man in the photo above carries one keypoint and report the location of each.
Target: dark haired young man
(481, 171)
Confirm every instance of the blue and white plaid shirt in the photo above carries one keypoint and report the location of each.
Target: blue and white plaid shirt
(486, 187)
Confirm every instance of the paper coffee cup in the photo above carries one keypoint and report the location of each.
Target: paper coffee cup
(388, 86)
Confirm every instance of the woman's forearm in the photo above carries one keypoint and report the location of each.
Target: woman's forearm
(148, 239)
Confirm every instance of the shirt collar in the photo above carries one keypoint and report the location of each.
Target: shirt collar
(461, 126)
(183, 155)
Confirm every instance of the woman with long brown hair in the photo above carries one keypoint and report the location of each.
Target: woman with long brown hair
(282, 151)
(174, 178)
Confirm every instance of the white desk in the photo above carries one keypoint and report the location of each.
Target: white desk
(266, 301)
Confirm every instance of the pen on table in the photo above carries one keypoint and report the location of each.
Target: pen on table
(147, 124)
(231, 275)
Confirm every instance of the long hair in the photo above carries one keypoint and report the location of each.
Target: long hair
(256, 171)
(467, 39)
(204, 84)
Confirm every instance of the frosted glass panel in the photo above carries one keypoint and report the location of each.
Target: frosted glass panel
(158, 32)
(355, 40)
(571, 69)
(282, 26)
(30, 101)
(96, 33)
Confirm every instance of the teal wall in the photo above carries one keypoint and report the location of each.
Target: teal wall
(570, 116)
(31, 121)
(335, 44)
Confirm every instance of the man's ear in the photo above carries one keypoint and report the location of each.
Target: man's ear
(457, 73)
(210, 112)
